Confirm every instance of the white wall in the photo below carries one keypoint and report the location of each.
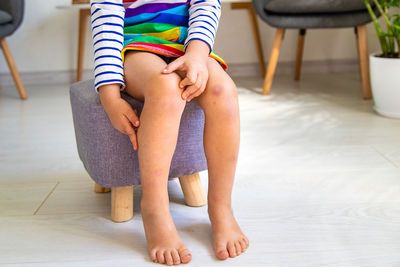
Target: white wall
(47, 40)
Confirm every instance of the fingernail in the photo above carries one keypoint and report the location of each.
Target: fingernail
(136, 123)
(165, 70)
(184, 96)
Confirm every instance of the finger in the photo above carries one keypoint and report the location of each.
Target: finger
(199, 91)
(177, 64)
(191, 78)
(132, 116)
(130, 131)
(195, 94)
(189, 91)
(203, 85)
(132, 136)
(134, 142)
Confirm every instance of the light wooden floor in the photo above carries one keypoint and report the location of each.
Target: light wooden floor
(318, 183)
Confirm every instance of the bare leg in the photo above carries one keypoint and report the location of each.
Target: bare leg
(221, 144)
(157, 137)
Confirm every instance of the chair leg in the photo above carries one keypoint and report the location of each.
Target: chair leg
(122, 203)
(193, 190)
(99, 189)
(273, 60)
(299, 55)
(13, 68)
(257, 38)
(83, 18)
(248, 5)
(362, 47)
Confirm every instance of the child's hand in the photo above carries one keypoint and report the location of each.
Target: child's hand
(121, 114)
(194, 64)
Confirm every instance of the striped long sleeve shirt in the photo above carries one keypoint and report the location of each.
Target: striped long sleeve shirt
(109, 18)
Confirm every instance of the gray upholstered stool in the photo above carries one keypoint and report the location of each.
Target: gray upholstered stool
(111, 161)
(306, 14)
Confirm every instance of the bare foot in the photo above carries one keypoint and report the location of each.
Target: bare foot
(163, 241)
(228, 238)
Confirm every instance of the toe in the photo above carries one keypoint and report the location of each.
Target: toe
(242, 245)
(185, 255)
(168, 257)
(175, 257)
(231, 249)
(246, 241)
(153, 256)
(160, 256)
(221, 252)
(238, 248)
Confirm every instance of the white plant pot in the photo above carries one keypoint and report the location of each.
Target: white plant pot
(385, 83)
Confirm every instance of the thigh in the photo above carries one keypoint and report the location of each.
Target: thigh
(142, 70)
(220, 86)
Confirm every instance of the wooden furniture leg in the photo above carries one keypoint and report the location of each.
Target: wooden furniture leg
(122, 203)
(99, 189)
(83, 18)
(255, 29)
(299, 55)
(362, 47)
(13, 68)
(193, 190)
(273, 60)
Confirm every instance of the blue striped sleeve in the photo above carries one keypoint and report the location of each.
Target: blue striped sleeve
(107, 18)
(203, 21)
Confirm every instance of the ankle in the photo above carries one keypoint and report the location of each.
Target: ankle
(219, 208)
(150, 204)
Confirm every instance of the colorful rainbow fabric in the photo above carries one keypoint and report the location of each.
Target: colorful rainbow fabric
(159, 26)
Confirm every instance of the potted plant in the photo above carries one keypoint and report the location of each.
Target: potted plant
(385, 65)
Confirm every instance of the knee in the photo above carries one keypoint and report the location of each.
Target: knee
(223, 96)
(164, 93)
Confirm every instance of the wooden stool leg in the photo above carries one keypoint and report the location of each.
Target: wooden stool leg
(273, 60)
(99, 189)
(122, 203)
(13, 68)
(193, 190)
(362, 47)
(299, 55)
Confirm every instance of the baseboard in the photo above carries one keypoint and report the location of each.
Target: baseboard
(44, 77)
(287, 68)
(235, 70)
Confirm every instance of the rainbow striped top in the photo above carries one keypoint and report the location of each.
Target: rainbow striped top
(159, 26)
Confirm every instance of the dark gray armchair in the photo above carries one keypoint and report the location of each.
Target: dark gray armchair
(11, 15)
(311, 14)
